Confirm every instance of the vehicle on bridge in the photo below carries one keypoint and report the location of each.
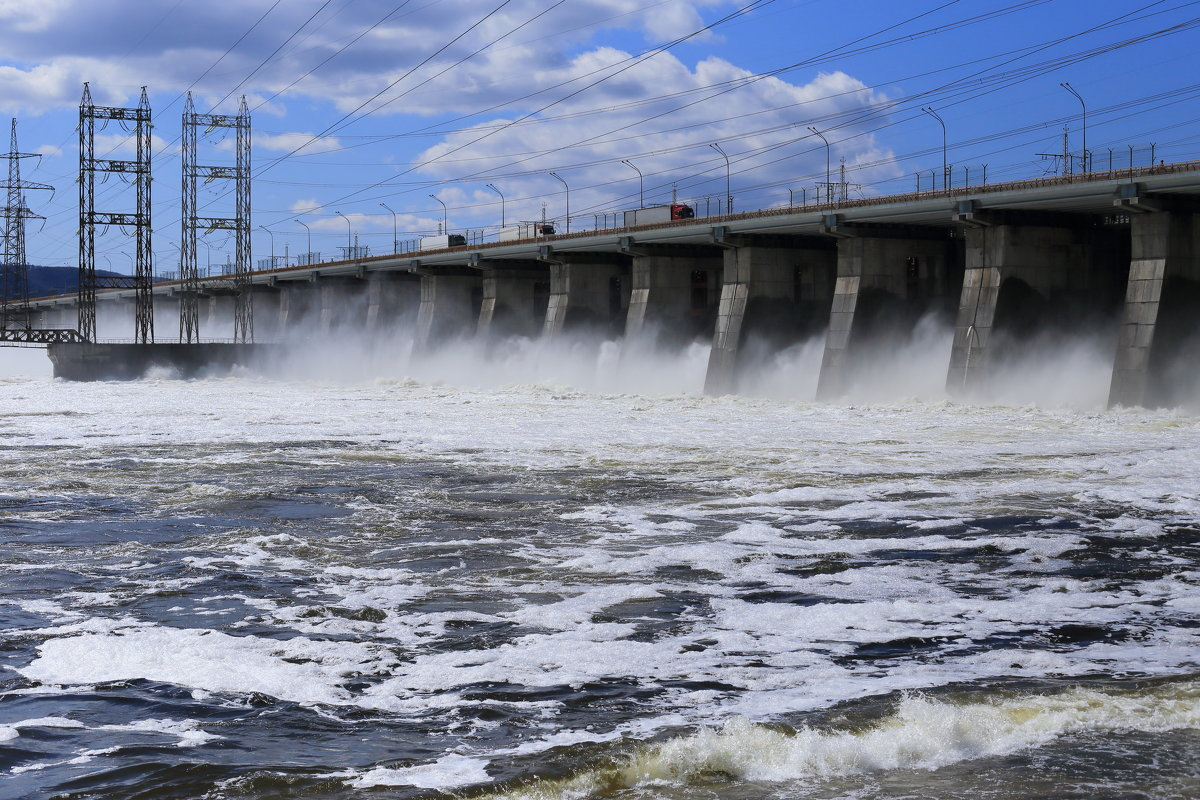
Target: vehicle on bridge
(655, 214)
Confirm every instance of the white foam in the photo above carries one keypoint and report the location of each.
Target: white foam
(921, 734)
(202, 659)
(448, 772)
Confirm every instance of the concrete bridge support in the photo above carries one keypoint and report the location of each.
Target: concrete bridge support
(392, 298)
(166, 318)
(673, 292)
(587, 291)
(1159, 342)
(886, 279)
(343, 303)
(775, 289)
(298, 307)
(450, 302)
(1023, 275)
(514, 298)
(217, 320)
(264, 306)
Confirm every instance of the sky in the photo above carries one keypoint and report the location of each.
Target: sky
(368, 116)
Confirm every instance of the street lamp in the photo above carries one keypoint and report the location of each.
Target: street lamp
(728, 193)
(828, 184)
(1079, 97)
(641, 183)
(395, 237)
(497, 191)
(567, 194)
(934, 114)
(349, 247)
(268, 230)
(445, 215)
(308, 255)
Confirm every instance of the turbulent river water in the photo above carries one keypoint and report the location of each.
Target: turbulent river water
(502, 584)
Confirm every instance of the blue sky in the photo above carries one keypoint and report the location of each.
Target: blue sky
(362, 102)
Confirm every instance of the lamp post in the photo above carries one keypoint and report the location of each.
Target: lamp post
(567, 195)
(492, 186)
(445, 215)
(728, 192)
(395, 237)
(349, 246)
(641, 183)
(828, 183)
(934, 114)
(308, 255)
(268, 230)
(1079, 97)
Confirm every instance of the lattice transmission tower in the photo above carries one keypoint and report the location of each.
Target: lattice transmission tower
(14, 314)
(193, 223)
(137, 122)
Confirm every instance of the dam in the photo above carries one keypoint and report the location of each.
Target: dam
(1004, 262)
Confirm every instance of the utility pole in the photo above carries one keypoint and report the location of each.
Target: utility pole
(139, 221)
(15, 314)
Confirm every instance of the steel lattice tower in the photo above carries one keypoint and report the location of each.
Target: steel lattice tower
(14, 315)
(89, 217)
(192, 222)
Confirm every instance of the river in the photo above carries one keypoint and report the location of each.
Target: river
(574, 576)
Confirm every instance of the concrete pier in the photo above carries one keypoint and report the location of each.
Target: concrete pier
(392, 299)
(887, 277)
(343, 303)
(588, 292)
(1024, 276)
(775, 289)
(298, 306)
(673, 292)
(1159, 342)
(514, 296)
(264, 309)
(216, 320)
(450, 301)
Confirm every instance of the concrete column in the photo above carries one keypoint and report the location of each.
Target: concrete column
(297, 307)
(1015, 274)
(217, 323)
(514, 298)
(166, 317)
(674, 292)
(392, 297)
(587, 291)
(343, 302)
(885, 280)
(1159, 332)
(774, 293)
(450, 301)
(264, 306)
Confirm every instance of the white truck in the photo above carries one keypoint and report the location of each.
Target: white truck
(526, 230)
(656, 214)
(442, 242)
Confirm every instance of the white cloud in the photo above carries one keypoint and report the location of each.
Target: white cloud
(300, 144)
(762, 126)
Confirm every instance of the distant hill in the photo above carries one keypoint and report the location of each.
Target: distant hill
(45, 281)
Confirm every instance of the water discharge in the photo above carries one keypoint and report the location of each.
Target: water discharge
(541, 570)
